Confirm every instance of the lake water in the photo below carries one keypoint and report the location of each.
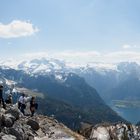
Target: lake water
(130, 114)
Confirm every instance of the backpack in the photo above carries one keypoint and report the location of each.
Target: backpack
(36, 106)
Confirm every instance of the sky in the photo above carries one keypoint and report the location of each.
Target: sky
(73, 30)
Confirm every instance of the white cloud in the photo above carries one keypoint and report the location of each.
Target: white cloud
(16, 29)
(71, 56)
(89, 56)
(77, 54)
(36, 55)
(127, 46)
(120, 56)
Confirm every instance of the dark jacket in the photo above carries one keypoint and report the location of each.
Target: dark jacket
(1, 93)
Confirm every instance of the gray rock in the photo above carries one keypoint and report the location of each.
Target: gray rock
(30, 138)
(34, 124)
(14, 112)
(1, 120)
(13, 126)
(10, 116)
(8, 137)
(2, 110)
(120, 131)
(18, 133)
(7, 121)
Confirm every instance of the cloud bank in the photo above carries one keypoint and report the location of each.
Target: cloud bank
(17, 29)
(89, 56)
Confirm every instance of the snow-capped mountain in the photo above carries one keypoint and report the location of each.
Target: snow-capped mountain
(99, 75)
(120, 81)
(110, 80)
(103, 77)
(70, 92)
(41, 66)
(44, 66)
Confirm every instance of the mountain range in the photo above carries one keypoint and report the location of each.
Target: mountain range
(117, 84)
(108, 79)
(66, 95)
(103, 77)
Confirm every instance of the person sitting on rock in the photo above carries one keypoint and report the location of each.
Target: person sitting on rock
(1, 96)
(33, 106)
(22, 103)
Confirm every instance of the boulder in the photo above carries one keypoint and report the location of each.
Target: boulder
(14, 112)
(7, 121)
(34, 124)
(100, 133)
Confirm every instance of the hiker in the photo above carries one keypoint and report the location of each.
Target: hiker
(22, 103)
(9, 99)
(33, 106)
(1, 96)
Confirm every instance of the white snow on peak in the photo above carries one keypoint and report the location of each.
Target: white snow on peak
(59, 77)
(50, 65)
(9, 63)
(41, 65)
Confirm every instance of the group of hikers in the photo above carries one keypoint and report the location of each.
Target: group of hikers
(22, 101)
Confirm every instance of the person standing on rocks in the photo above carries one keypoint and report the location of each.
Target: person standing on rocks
(22, 103)
(33, 106)
(1, 96)
(9, 99)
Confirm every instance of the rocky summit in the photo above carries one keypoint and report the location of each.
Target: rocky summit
(107, 131)
(15, 126)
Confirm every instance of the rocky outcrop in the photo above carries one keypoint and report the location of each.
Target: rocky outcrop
(118, 131)
(14, 112)
(15, 126)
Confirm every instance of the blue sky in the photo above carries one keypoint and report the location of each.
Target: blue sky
(71, 28)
